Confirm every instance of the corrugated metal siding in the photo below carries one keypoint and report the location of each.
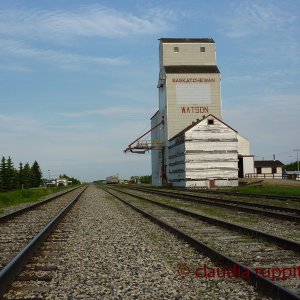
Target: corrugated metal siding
(189, 54)
(156, 154)
(182, 111)
(190, 90)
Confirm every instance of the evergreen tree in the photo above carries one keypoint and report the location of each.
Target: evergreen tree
(21, 176)
(27, 176)
(24, 177)
(146, 179)
(36, 175)
(10, 175)
(3, 180)
(74, 180)
(291, 167)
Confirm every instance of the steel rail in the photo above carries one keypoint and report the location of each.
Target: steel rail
(266, 196)
(21, 211)
(262, 284)
(282, 242)
(251, 204)
(222, 203)
(15, 266)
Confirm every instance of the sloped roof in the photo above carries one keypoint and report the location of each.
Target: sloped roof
(187, 40)
(268, 163)
(192, 69)
(196, 123)
(155, 115)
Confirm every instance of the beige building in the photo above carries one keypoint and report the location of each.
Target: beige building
(189, 82)
(189, 87)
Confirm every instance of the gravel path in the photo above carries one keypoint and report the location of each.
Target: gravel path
(111, 252)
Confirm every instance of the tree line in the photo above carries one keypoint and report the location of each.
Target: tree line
(25, 176)
(291, 167)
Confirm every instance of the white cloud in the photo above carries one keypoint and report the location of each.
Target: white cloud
(18, 123)
(116, 111)
(252, 18)
(93, 21)
(23, 50)
(33, 33)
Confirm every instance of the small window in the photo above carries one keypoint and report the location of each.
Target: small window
(274, 170)
(258, 170)
(210, 122)
(176, 49)
(202, 49)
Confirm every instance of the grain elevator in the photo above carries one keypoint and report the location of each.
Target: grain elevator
(192, 146)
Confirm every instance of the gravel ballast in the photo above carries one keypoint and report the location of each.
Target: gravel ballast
(111, 252)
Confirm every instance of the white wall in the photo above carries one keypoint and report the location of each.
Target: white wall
(248, 165)
(204, 153)
(243, 145)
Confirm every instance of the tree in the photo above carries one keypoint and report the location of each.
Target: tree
(21, 176)
(10, 175)
(291, 167)
(27, 176)
(74, 180)
(3, 177)
(146, 179)
(36, 175)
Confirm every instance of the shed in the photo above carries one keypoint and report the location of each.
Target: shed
(204, 155)
(265, 168)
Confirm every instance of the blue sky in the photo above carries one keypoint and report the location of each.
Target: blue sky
(78, 78)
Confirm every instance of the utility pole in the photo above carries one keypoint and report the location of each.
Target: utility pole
(297, 150)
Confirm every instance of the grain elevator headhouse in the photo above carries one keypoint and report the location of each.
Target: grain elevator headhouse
(189, 82)
(197, 149)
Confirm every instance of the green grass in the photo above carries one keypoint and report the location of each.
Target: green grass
(268, 190)
(25, 196)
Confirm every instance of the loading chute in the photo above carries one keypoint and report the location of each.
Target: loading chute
(141, 146)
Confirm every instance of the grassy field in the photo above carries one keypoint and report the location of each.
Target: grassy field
(25, 196)
(268, 190)
(278, 187)
(264, 187)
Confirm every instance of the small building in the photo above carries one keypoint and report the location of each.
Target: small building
(294, 175)
(204, 155)
(61, 182)
(266, 169)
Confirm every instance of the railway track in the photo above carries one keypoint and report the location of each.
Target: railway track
(265, 196)
(261, 258)
(283, 213)
(283, 228)
(23, 232)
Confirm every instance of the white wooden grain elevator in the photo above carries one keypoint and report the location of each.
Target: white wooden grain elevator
(196, 147)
